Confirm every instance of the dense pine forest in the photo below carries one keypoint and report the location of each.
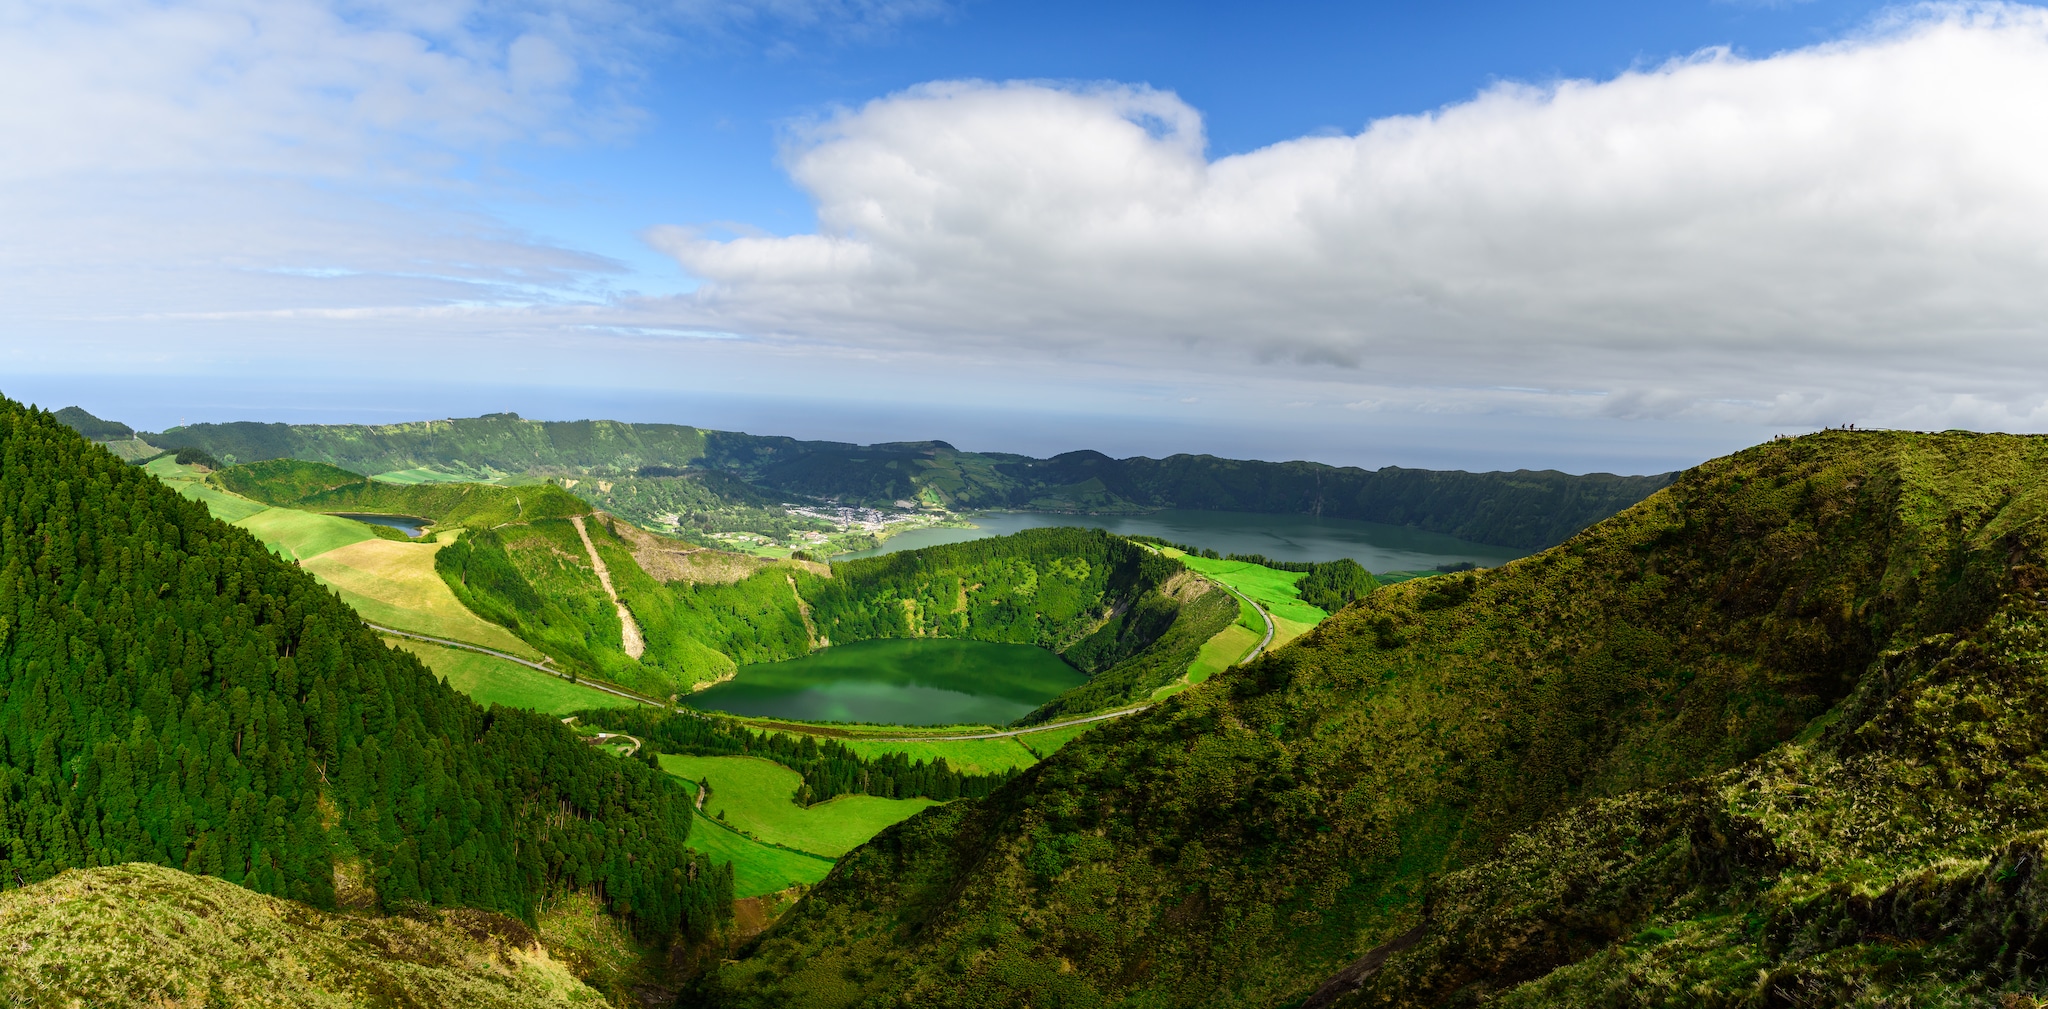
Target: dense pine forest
(172, 693)
(1770, 738)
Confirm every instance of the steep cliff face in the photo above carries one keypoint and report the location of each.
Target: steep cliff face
(1769, 735)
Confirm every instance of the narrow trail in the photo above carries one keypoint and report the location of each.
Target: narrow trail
(629, 632)
(804, 609)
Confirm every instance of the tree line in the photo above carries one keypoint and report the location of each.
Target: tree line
(829, 768)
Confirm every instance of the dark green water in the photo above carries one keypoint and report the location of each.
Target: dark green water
(917, 681)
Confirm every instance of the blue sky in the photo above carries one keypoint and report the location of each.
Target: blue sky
(1259, 73)
(1593, 236)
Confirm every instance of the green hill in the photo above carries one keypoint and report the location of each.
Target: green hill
(1131, 619)
(657, 469)
(172, 693)
(1771, 737)
(145, 935)
(319, 487)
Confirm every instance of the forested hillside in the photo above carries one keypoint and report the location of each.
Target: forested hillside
(1523, 509)
(1771, 737)
(170, 692)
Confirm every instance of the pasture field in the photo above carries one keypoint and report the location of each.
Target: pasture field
(756, 868)
(395, 584)
(1045, 744)
(190, 482)
(490, 680)
(1221, 652)
(755, 795)
(968, 756)
(1269, 588)
(301, 535)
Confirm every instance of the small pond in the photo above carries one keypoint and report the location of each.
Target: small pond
(913, 681)
(1376, 546)
(411, 525)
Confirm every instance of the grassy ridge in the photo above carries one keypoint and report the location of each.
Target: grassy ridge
(144, 935)
(1562, 751)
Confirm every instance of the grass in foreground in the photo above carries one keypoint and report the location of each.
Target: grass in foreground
(755, 796)
(490, 680)
(145, 935)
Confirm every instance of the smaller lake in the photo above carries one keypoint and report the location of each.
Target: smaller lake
(411, 525)
(1375, 546)
(905, 681)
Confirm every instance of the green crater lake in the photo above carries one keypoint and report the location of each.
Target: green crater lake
(908, 681)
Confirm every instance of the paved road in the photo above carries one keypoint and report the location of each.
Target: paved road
(1263, 615)
(1000, 735)
(550, 670)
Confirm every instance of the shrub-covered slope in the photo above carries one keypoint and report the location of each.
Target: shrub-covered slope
(1770, 737)
(144, 935)
(170, 692)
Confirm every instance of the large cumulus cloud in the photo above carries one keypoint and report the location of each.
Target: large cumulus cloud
(1860, 226)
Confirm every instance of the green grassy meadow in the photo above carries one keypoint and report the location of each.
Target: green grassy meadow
(755, 796)
(1045, 744)
(756, 868)
(969, 756)
(490, 680)
(1275, 590)
(299, 535)
(395, 584)
(190, 481)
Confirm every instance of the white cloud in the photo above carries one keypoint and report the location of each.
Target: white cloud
(1857, 226)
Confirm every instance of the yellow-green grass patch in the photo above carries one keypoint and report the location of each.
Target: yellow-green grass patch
(1275, 590)
(395, 584)
(489, 680)
(190, 481)
(1226, 649)
(300, 535)
(1046, 743)
(756, 796)
(968, 756)
(756, 868)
